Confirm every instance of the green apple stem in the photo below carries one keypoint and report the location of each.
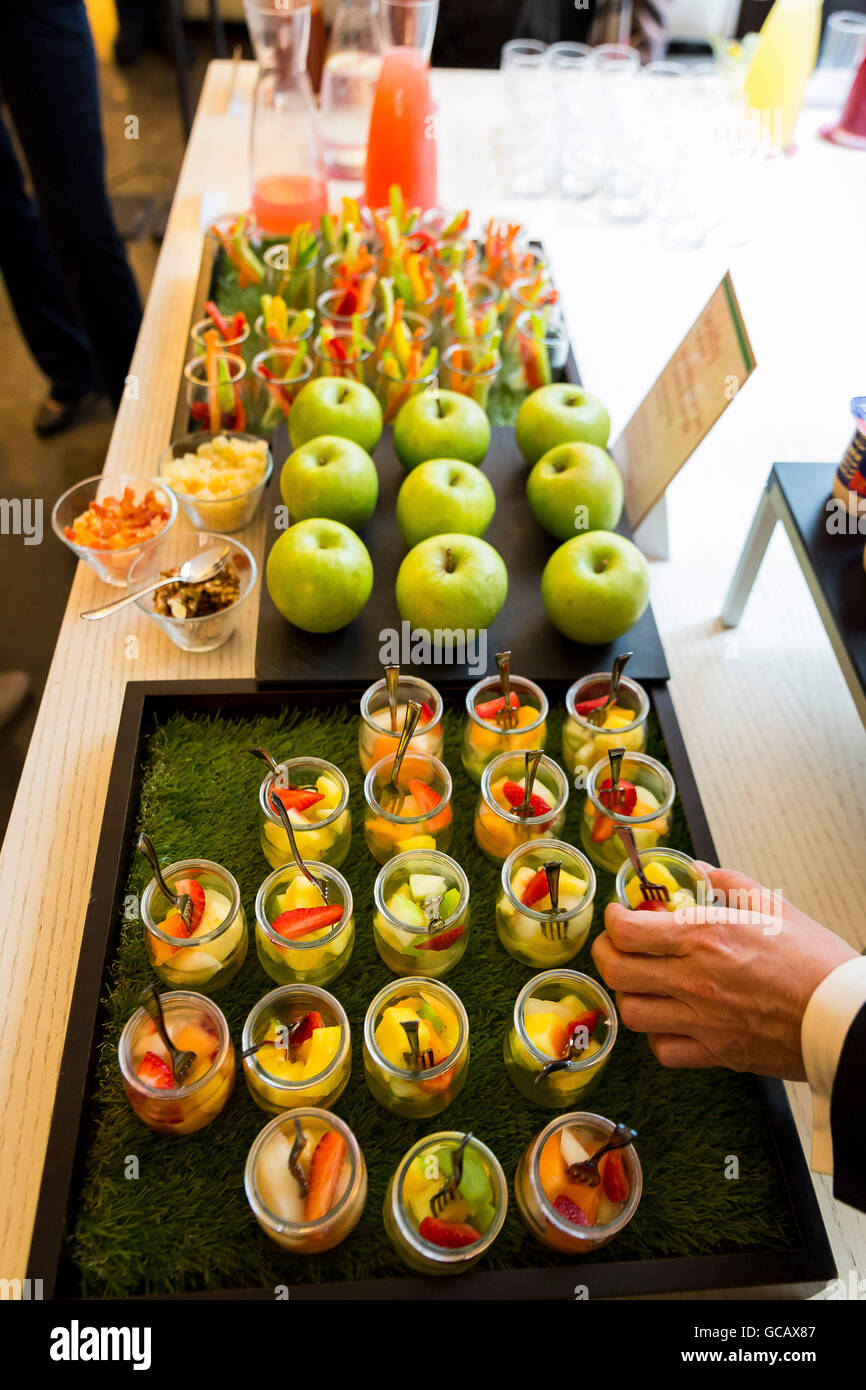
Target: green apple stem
(449, 562)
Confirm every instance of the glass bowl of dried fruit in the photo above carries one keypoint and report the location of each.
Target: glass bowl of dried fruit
(197, 617)
(114, 519)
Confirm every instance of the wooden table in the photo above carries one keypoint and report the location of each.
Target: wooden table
(775, 741)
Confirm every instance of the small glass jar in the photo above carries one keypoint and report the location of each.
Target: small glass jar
(499, 828)
(419, 1253)
(459, 255)
(328, 308)
(351, 360)
(417, 1092)
(418, 328)
(483, 739)
(224, 409)
(534, 351)
(475, 377)
(650, 827)
(272, 1193)
(393, 392)
(692, 884)
(233, 344)
(482, 294)
(525, 1061)
(376, 739)
(388, 833)
(407, 946)
(326, 839)
(271, 1072)
(194, 1023)
(541, 1217)
(526, 294)
(296, 286)
(537, 938)
(209, 959)
(269, 343)
(583, 743)
(276, 377)
(315, 959)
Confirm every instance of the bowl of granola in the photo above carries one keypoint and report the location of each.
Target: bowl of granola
(197, 617)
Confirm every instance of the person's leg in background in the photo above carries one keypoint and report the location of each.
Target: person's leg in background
(29, 267)
(49, 79)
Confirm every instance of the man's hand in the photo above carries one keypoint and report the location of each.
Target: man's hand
(721, 987)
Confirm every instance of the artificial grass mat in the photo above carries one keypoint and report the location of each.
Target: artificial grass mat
(184, 1224)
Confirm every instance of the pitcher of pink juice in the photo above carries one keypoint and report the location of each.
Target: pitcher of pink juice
(286, 156)
(402, 145)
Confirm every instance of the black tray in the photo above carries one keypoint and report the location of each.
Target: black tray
(806, 1267)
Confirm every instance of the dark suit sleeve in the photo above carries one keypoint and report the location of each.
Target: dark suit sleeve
(848, 1117)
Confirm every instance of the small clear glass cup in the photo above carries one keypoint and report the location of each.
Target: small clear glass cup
(401, 944)
(205, 963)
(526, 297)
(296, 286)
(189, 1018)
(376, 739)
(417, 1095)
(499, 831)
(692, 883)
(541, 1217)
(470, 380)
(482, 294)
(420, 329)
(273, 392)
(222, 232)
(327, 308)
(222, 514)
(356, 363)
(327, 839)
(461, 254)
(544, 939)
(230, 407)
(304, 1237)
(388, 833)
(534, 357)
(269, 343)
(112, 566)
(484, 740)
(583, 743)
(274, 1092)
(525, 1063)
(233, 344)
(210, 630)
(598, 820)
(421, 1255)
(304, 960)
(392, 393)
(470, 351)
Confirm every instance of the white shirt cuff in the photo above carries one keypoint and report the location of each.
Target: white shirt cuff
(828, 1016)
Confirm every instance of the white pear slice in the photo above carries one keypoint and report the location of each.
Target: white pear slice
(571, 1148)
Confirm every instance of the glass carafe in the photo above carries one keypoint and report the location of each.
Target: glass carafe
(403, 135)
(286, 162)
(349, 81)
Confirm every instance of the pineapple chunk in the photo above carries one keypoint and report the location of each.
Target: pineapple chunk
(654, 872)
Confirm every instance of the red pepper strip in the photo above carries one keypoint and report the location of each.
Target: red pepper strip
(238, 324)
(279, 393)
(240, 411)
(217, 319)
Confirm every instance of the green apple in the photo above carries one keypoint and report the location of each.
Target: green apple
(333, 405)
(595, 587)
(441, 424)
(451, 581)
(444, 495)
(319, 575)
(558, 414)
(575, 487)
(330, 477)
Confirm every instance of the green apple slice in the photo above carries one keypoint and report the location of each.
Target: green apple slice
(424, 886)
(406, 911)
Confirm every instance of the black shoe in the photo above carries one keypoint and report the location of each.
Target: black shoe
(53, 417)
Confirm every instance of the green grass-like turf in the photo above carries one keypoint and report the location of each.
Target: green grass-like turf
(184, 1223)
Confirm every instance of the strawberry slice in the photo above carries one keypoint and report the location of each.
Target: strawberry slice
(324, 1173)
(441, 940)
(297, 798)
(615, 1181)
(155, 1072)
(300, 921)
(196, 892)
(605, 795)
(586, 706)
(588, 1021)
(514, 796)
(427, 801)
(426, 715)
(571, 1211)
(304, 1027)
(645, 905)
(447, 1234)
(536, 889)
(488, 709)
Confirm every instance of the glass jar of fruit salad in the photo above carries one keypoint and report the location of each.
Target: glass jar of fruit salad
(416, 1047)
(583, 742)
(194, 1024)
(449, 1235)
(562, 1212)
(421, 922)
(316, 796)
(500, 825)
(376, 740)
(648, 796)
(419, 819)
(304, 1054)
(318, 1211)
(561, 1038)
(208, 951)
(484, 731)
(300, 939)
(685, 880)
(526, 923)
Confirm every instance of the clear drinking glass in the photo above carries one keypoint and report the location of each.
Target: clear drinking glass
(532, 143)
(352, 66)
(408, 24)
(276, 377)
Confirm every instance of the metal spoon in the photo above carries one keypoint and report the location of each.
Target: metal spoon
(276, 804)
(182, 901)
(179, 1060)
(587, 1172)
(198, 570)
(392, 680)
(653, 892)
(597, 716)
(507, 716)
